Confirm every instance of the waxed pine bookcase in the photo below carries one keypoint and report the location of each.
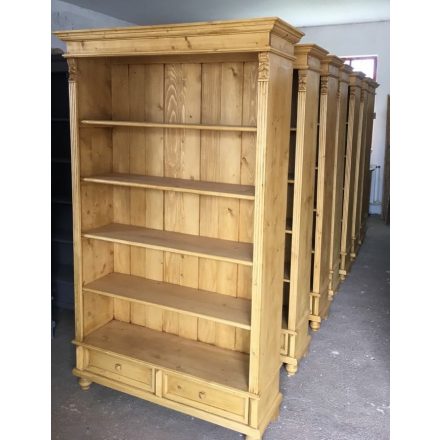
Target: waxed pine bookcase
(338, 178)
(180, 143)
(359, 170)
(319, 289)
(355, 80)
(371, 92)
(295, 336)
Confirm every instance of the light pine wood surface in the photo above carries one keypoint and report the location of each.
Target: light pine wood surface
(297, 264)
(320, 300)
(180, 139)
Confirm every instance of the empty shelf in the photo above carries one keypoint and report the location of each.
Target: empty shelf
(201, 303)
(100, 123)
(178, 185)
(217, 249)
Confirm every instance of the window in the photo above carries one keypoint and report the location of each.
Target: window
(365, 64)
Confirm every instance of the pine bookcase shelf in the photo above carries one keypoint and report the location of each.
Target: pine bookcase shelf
(225, 309)
(223, 250)
(179, 138)
(134, 124)
(244, 192)
(171, 352)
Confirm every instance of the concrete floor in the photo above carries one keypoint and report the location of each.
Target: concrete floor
(341, 391)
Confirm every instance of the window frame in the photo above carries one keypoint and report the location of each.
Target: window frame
(363, 57)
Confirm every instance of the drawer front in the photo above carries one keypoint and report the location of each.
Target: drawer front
(122, 370)
(205, 397)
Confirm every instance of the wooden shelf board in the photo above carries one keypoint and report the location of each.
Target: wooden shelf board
(171, 352)
(224, 309)
(217, 249)
(179, 185)
(101, 123)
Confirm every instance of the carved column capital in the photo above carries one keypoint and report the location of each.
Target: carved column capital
(324, 85)
(352, 92)
(339, 92)
(73, 69)
(263, 66)
(302, 80)
(363, 95)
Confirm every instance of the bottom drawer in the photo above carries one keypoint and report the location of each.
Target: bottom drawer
(205, 397)
(123, 370)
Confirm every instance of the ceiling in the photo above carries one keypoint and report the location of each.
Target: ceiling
(297, 12)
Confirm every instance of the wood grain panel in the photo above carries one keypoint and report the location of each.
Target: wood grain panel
(121, 164)
(136, 89)
(154, 166)
(182, 160)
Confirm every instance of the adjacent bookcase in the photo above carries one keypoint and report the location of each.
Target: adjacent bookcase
(338, 178)
(295, 336)
(180, 143)
(319, 297)
(371, 89)
(359, 171)
(350, 171)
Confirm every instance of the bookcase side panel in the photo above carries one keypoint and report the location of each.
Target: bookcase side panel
(358, 172)
(299, 303)
(273, 124)
(350, 165)
(329, 87)
(339, 169)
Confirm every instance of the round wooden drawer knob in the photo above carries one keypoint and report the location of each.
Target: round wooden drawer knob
(118, 367)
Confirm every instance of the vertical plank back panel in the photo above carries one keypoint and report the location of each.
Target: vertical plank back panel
(154, 166)
(182, 159)
(121, 164)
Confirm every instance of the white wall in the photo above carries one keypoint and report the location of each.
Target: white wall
(67, 16)
(362, 39)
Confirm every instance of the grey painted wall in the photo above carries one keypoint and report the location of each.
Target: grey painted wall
(68, 16)
(362, 39)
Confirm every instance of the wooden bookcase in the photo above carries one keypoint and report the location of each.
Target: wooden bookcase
(350, 171)
(371, 93)
(180, 142)
(319, 297)
(359, 171)
(295, 336)
(338, 178)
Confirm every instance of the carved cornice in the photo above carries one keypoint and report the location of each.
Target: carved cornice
(73, 69)
(263, 66)
(324, 85)
(302, 80)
